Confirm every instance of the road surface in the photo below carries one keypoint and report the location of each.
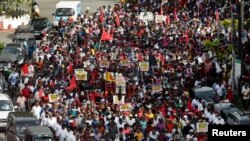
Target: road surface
(47, 7)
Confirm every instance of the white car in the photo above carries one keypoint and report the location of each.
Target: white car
(6, 106)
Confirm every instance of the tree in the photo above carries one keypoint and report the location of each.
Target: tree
(15, 8)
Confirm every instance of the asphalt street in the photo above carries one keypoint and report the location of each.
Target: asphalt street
(47, 7)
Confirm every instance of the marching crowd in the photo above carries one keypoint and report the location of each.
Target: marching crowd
(112, 75)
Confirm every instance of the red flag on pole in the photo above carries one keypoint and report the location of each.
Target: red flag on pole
(217, 17)
(25, 70)
(105, 36)
(161, 12)
(168, 20)
(175, 15)
(101, 16)
(117, 20)
(72, 85)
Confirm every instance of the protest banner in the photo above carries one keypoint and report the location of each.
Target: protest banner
(53, 97)
(126, 107)
(160, 18)
(148, 16)
(144, 66)
(81, 74)
(124, 62)
(104, 64)
(117, 101)
(202, 127)
(157, 88)
(120, 80)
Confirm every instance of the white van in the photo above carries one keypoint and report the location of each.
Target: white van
(65, 9)
(6, 106)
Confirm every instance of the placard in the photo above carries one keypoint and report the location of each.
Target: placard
(117, 101)
(120, 80)
(124, 62)
(104, 64)
(202, 127)
(146, 16)
(157, 88)
(144, 66)
(109, 76)
(126, 107)
(53, 97)
(160, 18)
(81, 74)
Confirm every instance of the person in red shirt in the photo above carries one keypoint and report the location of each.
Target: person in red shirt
(26, 91)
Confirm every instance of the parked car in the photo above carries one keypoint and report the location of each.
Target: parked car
(17, 122)
(41, 26)
(24, 29)
(29, 41)
(205, 93)
(13, 53)
(38, 133)
(223, 109)
(6, 106)
(239, 118)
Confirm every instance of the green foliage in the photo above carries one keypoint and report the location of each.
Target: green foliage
(2, 45)
(211, 44)
(227, 23)
(222, 51)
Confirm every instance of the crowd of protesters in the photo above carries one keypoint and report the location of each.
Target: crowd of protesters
(84, 109)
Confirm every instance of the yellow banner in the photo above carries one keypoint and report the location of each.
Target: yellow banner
(109, 76)
(126, 107)
(124, 63)
(144, 66)
(53, 97)
(81, 74)
(117, 101)
(104, 64)
(202, 127)
(156, 88)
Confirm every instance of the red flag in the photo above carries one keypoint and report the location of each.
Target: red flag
(175, 15)
(70, 69)
(161, 12)
(101, 16)
(186, 37)
(168, 20)
(117, 20)
(217, 17)
(25, 70)
(72, 85)
(105, 36)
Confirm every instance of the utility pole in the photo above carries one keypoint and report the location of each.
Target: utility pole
(240, 48)
(233, 52)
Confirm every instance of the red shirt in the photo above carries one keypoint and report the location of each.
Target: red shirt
(26, 92)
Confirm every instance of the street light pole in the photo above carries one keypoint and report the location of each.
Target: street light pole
(240, 48)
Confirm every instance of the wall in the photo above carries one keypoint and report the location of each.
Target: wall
(12, 23)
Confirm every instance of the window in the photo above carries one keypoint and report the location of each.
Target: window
(11, 50)
(5, 105)
(64, 12)
(21, 126)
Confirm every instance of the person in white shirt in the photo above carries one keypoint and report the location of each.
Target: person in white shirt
(130, 120)
(153, 134)
(62, 133)
(36, 110)
(219, 121)
(21, 102)
(31, 70)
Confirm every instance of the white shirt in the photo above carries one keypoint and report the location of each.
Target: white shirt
(129, 121)
(62, 134)
(36, 110)
(153, 136)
